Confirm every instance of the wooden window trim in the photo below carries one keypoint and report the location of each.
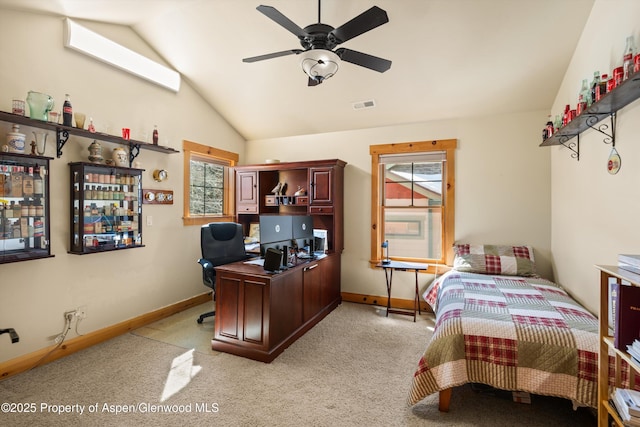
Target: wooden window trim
(204, 151)
(446, 145)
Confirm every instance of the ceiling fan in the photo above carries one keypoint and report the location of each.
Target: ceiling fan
(320, 61)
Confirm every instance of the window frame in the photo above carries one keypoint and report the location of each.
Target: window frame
(447, 146)
(193, 149)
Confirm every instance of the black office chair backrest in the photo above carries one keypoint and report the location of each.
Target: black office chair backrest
(222, 243)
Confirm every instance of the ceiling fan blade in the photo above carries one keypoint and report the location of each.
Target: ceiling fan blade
(313, 82)
(367, 20)
(273, 13)
(273, 55)
(364, 60)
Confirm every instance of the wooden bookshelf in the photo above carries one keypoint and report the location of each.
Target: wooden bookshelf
(605, 410)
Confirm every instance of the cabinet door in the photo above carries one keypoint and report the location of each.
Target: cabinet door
(247, 191)
(321, 181)
(312, 296)
(24, 207)
(107, 208)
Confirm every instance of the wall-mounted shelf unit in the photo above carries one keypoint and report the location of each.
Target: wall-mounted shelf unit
(64, 132)
(106, 210)
(607, 106)
(24, 207)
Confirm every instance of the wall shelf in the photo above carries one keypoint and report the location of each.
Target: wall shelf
(63, 133)
(607, 106)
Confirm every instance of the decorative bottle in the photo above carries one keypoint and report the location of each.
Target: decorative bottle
(565, 115)
(582, 97)
(594, 86)
(155, 135)
(601, 90)
(38, 182)
(627, 59)
(67, 111)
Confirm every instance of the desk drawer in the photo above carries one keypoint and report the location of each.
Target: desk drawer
(247, 209)
(314, 210)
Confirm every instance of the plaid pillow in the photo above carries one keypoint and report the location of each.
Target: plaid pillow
(495, 259)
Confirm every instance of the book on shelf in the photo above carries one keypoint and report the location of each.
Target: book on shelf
(620, 405)
(632, 399)
(629, 267)
(631, 260)
(626, 406)
(629, 263)
(634, 351)
(613, 297)
(627, 316)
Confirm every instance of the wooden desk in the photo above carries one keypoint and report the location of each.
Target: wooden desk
(388, 273)
(259, 314)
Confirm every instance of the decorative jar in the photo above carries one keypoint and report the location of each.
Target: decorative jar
(120, 157)
(15, 140)
(95, 152)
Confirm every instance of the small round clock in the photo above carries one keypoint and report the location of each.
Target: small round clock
(160, 175)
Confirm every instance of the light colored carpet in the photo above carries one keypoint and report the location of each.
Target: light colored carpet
(352, 369)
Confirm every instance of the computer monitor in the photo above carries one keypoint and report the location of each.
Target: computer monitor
(302, 227)
(275, 228)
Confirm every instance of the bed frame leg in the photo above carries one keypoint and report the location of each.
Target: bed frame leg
(445, 399)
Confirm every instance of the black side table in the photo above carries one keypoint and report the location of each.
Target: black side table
(388, 273)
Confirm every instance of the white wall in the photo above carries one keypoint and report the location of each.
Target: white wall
(595, 214)
(119, 285)
(502, 186)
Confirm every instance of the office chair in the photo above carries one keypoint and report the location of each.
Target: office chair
(221, 243)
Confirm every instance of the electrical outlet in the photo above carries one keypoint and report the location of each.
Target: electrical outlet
(69, 315)
(81, 312)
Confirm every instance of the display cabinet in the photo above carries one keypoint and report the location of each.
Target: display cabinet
(607, 414)
(106, 206)
(24, 207)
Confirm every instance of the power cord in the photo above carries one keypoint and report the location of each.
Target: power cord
(59, 339)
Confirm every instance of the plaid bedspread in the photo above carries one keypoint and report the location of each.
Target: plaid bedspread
(512, 333)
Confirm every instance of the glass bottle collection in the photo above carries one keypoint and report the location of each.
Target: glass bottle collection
(22, 212)
(106, 209)
(594, 91)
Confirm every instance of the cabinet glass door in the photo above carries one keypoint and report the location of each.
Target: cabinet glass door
(24, 207)
(106, 206)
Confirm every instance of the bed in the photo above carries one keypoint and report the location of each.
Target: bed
(498, 323)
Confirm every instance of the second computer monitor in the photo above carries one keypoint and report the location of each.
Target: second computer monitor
(302, 227)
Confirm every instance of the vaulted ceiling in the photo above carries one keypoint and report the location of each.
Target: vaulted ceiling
(450, 58)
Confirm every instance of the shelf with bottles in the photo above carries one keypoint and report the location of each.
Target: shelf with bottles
(107, 208)
(24, 207)
(63, 133)
(597, 101)
(618, 98)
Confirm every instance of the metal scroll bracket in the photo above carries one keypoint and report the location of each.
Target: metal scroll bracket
(573, 146)
(62, 136)
(610, 138)
(134, 150)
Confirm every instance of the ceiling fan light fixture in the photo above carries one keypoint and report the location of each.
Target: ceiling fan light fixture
(320, 64)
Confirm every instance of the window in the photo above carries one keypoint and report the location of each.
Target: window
(207, 184)
(412, 201)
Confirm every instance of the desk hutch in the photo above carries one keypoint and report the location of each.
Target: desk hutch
(259, 314)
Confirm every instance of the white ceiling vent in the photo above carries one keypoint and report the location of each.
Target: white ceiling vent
(363, 105)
